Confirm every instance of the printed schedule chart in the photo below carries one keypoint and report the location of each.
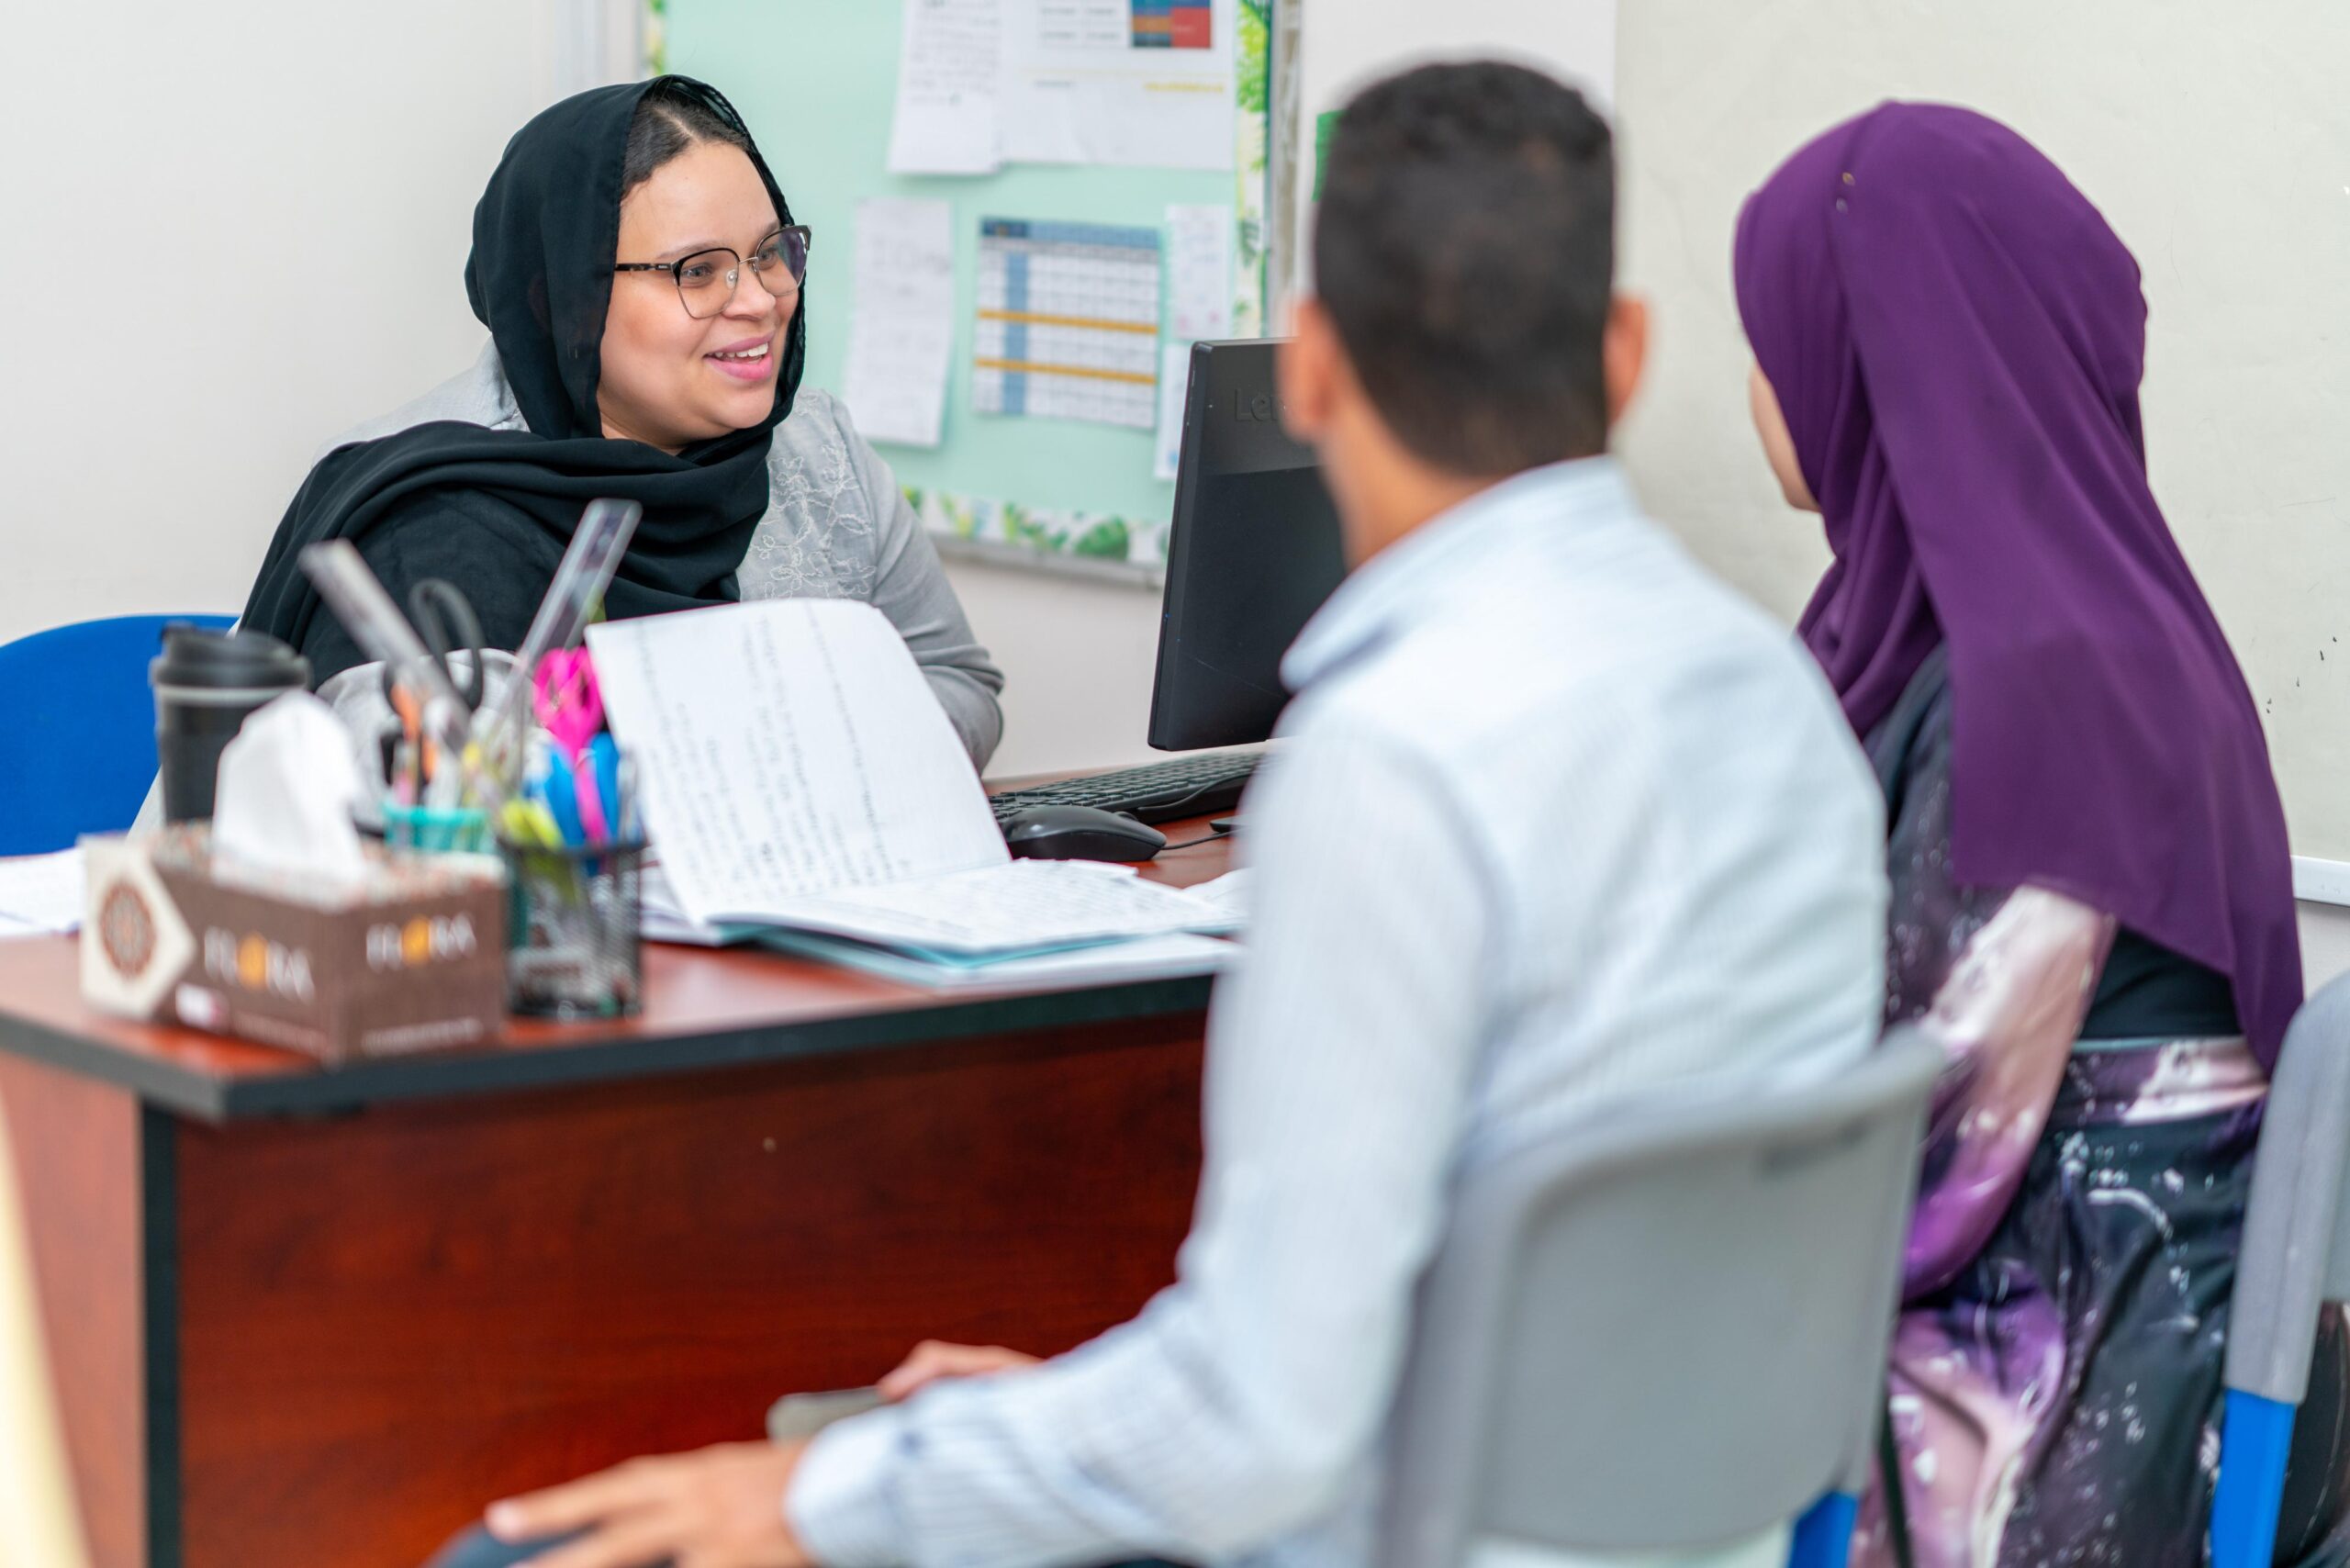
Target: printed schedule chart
(1067, 322)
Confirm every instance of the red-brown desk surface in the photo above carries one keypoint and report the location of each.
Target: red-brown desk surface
(314, 1316)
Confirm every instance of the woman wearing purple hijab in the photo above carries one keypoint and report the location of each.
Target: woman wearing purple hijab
(2092, 899)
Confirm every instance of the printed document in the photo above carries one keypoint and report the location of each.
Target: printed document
(41, 895)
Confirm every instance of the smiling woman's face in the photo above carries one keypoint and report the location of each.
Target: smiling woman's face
(669, 379)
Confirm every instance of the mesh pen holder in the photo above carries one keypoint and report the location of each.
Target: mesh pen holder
(572, 947)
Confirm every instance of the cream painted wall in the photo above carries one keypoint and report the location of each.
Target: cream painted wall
(2216, 139)
(1078, 657)
(231, 234)
(2326, 942)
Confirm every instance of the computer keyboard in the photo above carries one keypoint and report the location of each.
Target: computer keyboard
(1157, 792)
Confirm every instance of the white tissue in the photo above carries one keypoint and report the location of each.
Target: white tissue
(286, 788)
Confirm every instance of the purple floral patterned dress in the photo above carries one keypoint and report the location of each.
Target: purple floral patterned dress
(2055, 1384)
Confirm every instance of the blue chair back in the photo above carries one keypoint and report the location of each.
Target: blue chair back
(77, 729)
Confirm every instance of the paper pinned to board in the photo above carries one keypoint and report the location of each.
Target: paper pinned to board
(1199, 271)
(901, 325)
(1145, 84)
(1068, 322)
(1174, 391)
(949, 69)
(1199, 305)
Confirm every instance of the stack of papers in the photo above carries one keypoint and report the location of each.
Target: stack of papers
(1069, 969)
(41, 895)
(949, 967)
(805, 791)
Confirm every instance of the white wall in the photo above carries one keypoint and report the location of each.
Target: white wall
(1346, 44)
(226, 234)
(2325, 942)
(277, 205)
(2216, 139)
(1077, 659)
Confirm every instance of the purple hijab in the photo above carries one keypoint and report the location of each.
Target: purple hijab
(1957, 338)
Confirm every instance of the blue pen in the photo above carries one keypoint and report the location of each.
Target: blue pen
(604, 757)
(563, 803)
(595, 826)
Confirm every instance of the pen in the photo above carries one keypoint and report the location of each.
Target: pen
(374, 623)
(403, 779)
(597, 546)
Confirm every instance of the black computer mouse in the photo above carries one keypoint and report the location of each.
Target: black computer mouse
(1079, 832)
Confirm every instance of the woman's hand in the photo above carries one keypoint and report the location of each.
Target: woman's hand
(934, 1360)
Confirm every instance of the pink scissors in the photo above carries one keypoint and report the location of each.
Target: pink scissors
(570, 707)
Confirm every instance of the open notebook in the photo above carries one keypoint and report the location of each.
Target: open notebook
(803, 787)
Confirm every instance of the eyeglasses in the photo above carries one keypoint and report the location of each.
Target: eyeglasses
(707, 279)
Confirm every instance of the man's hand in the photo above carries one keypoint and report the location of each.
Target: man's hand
(933, 1360)
(721, 1507)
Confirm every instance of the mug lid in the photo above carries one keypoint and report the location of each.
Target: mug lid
(198, 655)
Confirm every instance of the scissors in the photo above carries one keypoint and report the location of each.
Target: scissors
(570, 707)
(444, 619)
(568, 702)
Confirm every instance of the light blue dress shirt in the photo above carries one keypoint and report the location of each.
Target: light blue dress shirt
(1559, 819)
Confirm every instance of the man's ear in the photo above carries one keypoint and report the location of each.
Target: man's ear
(1624, 352)
(1308, 371)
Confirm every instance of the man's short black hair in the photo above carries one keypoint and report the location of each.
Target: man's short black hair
(1465, 251)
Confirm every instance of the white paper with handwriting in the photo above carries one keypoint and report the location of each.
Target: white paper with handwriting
(798, 771)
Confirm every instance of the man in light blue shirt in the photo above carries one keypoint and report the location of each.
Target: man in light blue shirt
(1559, 821)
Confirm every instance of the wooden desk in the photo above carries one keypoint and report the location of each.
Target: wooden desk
(321, 1318)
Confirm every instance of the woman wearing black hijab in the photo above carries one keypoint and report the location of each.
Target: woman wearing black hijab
(641, 277)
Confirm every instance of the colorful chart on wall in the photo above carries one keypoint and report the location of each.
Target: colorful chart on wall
(1015, 368)
(1068, 325)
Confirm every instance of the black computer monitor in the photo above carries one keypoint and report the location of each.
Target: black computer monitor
(1253, 552)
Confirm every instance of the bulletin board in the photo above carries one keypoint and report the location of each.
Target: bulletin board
(816, 81)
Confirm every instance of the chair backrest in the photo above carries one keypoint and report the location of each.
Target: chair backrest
(2296, 1249)
(77, 729)
(38, 1522)
(1665, 1332)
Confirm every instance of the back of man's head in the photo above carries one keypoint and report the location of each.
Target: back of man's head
(1464, 250)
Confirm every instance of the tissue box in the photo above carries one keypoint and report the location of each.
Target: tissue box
(412, 959)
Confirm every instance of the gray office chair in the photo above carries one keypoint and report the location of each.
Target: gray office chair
(2294, 1258)
(1667, 1332)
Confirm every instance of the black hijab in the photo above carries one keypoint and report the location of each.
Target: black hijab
(493, 510)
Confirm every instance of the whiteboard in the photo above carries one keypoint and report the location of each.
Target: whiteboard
(2220, 150)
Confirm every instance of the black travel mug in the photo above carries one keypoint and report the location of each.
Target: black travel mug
(205, 683)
